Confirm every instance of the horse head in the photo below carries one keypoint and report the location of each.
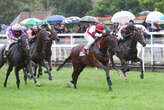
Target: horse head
(43, 35)
(53, 35)
(23, 44)
(110, 42)
(139, 36)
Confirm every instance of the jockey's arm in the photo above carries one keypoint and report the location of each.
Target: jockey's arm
(11, 36)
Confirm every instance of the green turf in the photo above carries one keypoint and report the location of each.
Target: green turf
(92, 92)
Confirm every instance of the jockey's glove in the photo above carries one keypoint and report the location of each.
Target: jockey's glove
(98, 34)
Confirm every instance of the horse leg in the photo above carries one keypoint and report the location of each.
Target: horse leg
(35, 66)
(10, 68)
(106, 69)
(39, 71)
(79, 70)
(141, 63)
(25, 77)
(49, 63)
(125, 77)
(114, 66)
(29, 68)
(45, 64)
(17, 76)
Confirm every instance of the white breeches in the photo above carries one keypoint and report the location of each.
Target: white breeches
(90, 40)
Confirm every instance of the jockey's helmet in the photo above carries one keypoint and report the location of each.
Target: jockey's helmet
(100, 28)
(16, 27)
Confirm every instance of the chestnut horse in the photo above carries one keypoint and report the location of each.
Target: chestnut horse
(98, 56)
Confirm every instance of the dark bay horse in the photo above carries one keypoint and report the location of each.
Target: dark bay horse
(38, 50)
(19, 57)
(128, 49)
(98, 56)
(48, 52)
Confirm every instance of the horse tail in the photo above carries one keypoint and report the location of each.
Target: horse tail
(61, 65)
(2, 59)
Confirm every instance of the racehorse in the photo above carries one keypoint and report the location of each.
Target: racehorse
(38, 50)
(98, 56)
(48, 52)
(129, 50)
(19, 57)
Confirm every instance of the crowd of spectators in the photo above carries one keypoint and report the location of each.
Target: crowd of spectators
(3, 28)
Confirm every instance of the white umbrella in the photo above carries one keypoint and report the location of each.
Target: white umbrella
(122, 17)
(89, 19)
(154, 17)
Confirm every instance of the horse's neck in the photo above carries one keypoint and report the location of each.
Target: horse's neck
(103, 47)
(131, 43)
(39, 45)
(17, 49)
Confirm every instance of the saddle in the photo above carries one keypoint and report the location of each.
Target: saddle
(97, 42)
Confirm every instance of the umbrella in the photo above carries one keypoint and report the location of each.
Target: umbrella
(89, 19)
(154, 17)
(122, 17)
(55, 19)
(33, 21)
(71, 20)
(144, 12)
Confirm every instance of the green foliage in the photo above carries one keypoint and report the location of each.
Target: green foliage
(109, 7)
(72, 7)
(91, 93)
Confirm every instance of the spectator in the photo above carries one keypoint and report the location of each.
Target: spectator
(156, 28)
(57, 28)
(62, 28)
(84, 28)
(115, 27)
(3, 29)
(78, 28)
(67, 38)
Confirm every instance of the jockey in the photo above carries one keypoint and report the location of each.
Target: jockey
(124, 30)
(13, 34)
(91, 34)
(32, 32)
(45, 27)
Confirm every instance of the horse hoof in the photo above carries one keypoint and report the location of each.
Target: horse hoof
(126, 79)
(142, 76)
(110, 88)
(69, 85)
(37, 84)
(4, 85)
(50, 78)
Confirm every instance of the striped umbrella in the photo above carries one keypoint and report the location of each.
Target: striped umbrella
(71, 20)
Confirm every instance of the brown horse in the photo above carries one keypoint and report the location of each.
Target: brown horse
(98, 56)
(129, 50)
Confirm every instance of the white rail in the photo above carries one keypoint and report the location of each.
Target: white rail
(63, 48)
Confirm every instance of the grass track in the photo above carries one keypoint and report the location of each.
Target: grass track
(92, 92)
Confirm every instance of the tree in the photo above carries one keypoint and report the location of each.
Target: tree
(71, 7)
(106, 8)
